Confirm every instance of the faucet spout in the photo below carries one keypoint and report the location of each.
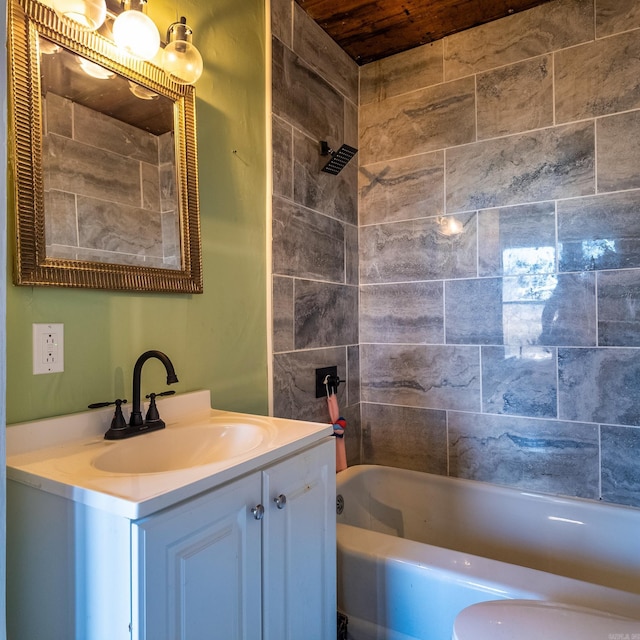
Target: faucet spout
(136, 412)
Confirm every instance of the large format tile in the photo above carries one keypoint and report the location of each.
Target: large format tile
(405, 437)
(353, 375)
(417, 250)
(473, 311)
(598, 78)
(61, 222)
(294, 383)
(425, 120)
(335, 195)
(515, 98)
(521, 311)
(532, 454)
(619, 308)
(319, 51)
(618, 151)
(325, 314)
(282, 158)
(282, 20)
(551, 26)
(517, 240)
(402, 189)
(541, 165)
(352, 434)
(599, 385)
(57, 115)
(519, 382)
(402, 313)
(352, 259)
(110, 226)
(407, 71)
(282, 311)
(96, 173)
(306, 244)
(568, 316)
(614, 16)
(434, 377)
(303, 98)
(620, 474)
(110, 134)
(601, 232)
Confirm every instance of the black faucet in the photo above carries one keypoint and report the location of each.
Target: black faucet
(136, 423)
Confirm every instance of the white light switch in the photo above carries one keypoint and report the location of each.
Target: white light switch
(48, 348)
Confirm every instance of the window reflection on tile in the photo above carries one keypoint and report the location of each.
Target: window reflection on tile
(517, 240)
(600, 232)
(525, 310)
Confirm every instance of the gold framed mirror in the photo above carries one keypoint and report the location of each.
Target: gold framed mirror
(104, 162)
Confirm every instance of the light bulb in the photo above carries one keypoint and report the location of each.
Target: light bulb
(87, 15)
(94, 70)
(181, 60)
(136, 34)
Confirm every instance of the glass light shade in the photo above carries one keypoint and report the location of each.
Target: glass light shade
(95, 70)
(182, 62)
(136, 34)
(87, 15)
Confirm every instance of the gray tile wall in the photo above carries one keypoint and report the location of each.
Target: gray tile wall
(123, 210)
(499, 209)
(493, 230)
(314, 221)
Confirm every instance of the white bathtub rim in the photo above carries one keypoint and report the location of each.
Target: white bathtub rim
(528, 619)
(346, 474)
(504, 580)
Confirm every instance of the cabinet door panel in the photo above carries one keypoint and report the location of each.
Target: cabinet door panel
(299, 547)
(199, 567)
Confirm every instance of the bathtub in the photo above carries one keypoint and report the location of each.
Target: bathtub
(414, 549)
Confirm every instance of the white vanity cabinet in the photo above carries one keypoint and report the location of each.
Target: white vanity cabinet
(252, 560)
(204, 569)
(197, 568)
(232, 547)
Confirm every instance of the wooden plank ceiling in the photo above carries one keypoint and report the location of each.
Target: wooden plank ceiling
(369, 30)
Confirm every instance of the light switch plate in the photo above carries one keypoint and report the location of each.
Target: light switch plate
(48, 348)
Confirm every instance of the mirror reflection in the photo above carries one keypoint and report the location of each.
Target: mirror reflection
(104, 162)
(115, 139)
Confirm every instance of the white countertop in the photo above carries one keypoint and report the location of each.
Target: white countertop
(56, 455)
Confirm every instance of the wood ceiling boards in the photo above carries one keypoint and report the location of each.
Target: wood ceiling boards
(369, 30)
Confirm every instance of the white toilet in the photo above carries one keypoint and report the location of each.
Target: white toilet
(539, 620)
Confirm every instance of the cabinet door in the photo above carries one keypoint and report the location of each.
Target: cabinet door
(299, 547)
(199, 568)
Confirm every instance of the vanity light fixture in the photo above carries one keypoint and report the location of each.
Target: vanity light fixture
(135, 32)
(181, 60)
(87, 15)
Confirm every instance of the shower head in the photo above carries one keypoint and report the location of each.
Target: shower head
(339, 158)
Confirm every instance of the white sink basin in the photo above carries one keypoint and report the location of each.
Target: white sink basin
(181, 447)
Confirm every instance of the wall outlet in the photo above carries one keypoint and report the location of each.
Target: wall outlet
(48, 348)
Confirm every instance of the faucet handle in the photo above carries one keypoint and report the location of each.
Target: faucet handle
(152, 411)
(118, 421)
(159, 395)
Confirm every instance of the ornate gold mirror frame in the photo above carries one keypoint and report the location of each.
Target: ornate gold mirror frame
(33, 26)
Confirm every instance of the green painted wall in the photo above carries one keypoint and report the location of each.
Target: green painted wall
(217, 340)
